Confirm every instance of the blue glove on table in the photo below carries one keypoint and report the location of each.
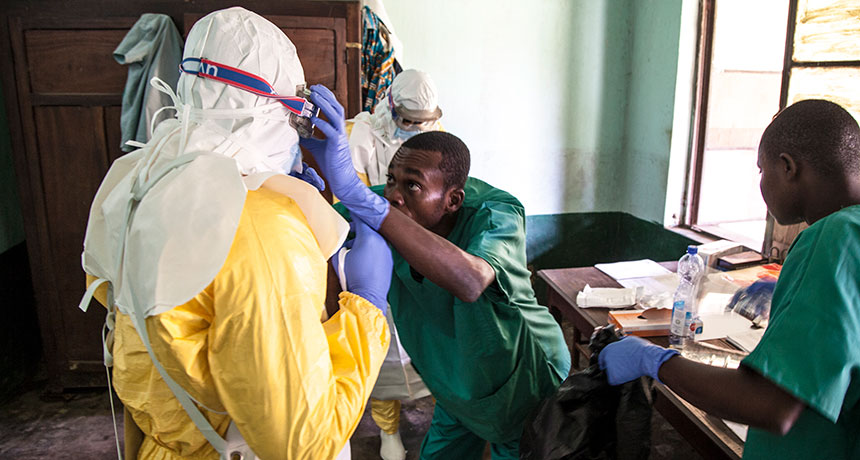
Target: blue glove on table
(310, 176)
(332, 155)
(753, 302)
(367, 266)
(631, 358)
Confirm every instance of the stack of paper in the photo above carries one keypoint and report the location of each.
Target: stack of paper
(651, 277)
(645, 268)
(747, 339)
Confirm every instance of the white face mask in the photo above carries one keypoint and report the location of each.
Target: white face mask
(402, 134)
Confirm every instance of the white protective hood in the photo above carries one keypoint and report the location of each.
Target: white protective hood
(372, 140)
(164, 218)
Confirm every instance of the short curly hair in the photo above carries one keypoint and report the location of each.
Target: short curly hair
(456, 159)
(820, 133)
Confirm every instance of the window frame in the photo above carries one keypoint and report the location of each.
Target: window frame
(692, 190)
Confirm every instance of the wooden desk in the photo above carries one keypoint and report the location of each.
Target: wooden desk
(707, 434)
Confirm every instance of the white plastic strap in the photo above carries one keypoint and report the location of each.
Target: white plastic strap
(88, 296)
(138, 191)
(341, 274)
(110, 322)
(113, 413)
(218, 443)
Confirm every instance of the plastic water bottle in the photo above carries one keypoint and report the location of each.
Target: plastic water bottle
(684, 308)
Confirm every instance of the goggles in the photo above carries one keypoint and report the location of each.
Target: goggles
(301, 109)
(407, 124)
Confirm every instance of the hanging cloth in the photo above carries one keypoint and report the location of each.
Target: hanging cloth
(152, 48)
(377, 60)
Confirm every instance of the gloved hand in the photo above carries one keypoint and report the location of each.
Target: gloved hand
(310, 176)
(367, 266)
(631, 358)
(753, 302)
(332, 155)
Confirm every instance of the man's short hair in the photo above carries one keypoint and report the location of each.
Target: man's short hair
(455, 155)
(820, 133)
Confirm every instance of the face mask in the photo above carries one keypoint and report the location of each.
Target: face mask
(402, 134)
(288, 160)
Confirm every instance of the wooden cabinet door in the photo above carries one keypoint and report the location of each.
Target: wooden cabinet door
(69, 91)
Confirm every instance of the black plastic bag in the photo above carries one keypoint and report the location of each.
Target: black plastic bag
(589, 419)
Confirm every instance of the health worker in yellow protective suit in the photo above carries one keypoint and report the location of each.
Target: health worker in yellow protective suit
(212, 263)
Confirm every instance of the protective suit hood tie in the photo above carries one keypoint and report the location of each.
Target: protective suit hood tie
(240, 79)
(242, 151)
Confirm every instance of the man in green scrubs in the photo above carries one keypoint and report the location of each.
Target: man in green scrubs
(460, 294)
(799, 389)
(491, 356)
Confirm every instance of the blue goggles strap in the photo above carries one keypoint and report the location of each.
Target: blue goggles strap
(236, 78)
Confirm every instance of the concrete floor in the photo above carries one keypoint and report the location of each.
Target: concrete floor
(78, 426)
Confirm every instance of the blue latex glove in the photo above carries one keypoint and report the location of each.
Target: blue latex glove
(332, 155)
(631, 358)
(753, 302)
(367, 266)
(310, 176)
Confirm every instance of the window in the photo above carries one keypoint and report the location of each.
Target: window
(755, 58)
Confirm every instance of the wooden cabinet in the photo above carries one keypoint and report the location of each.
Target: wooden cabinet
(63, 93)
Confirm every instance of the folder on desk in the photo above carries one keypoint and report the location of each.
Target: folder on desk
(644, 323)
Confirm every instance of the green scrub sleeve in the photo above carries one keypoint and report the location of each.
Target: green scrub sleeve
(810, 347)
(498, 236)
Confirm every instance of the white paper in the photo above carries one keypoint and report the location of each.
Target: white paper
(713, 303)
(644, 268)
(739, 429)
(719, 326)
(746, 340)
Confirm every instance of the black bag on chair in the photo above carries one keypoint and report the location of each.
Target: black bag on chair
(589, 419)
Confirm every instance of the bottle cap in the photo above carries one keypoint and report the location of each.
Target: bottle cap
(692, 249)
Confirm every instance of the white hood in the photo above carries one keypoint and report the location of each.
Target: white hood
(164, 218)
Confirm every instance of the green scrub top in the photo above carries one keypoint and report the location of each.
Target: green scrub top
(490, 362)
(811, 347)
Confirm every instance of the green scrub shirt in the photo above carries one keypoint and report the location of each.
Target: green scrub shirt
(490, 362)
(811, 347)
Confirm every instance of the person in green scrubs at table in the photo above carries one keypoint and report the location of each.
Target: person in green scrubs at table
(460, 295)
(799, 388)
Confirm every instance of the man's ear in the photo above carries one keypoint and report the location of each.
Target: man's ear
(788, 166)
(454, 199)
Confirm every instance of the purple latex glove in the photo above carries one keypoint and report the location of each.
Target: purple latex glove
(310, 176)
(631, 358)
(332, 156)
(367, 266)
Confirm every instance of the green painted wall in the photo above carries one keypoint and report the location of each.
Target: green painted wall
(567, 104)
(11, 223)
(584, 239)
(651, 102)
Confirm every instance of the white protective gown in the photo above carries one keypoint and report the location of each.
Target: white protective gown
(206, 245)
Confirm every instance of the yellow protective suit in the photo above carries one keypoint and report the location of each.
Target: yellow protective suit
(252, 345)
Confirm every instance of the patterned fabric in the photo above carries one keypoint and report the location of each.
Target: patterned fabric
(377, 61)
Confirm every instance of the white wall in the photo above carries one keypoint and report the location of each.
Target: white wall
(502, 82)
(540, 92)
